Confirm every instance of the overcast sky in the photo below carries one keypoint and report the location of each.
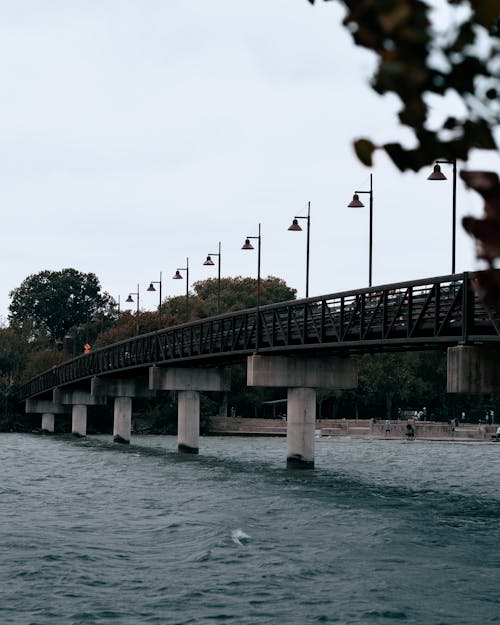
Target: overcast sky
(138, 133)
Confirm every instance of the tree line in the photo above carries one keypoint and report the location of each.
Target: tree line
(53, 315)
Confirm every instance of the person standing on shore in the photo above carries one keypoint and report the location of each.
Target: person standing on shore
(387, 427)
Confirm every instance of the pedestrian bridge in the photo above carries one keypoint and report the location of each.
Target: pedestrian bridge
(433, 313)
(299, 344)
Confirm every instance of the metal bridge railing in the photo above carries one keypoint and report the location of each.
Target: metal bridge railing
(421, 314)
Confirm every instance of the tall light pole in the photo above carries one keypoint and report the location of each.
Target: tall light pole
(248, 246)
(210, 262)
(131, 299)
(356, 203)
(437, 174)
(177, 276)
(151, 287)
(295, 227)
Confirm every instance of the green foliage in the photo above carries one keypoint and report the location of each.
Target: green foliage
(239, 293)
(128, 325)
(13, 353)
(40, 361)
(416, 61)
(235, 293)
(52, 302)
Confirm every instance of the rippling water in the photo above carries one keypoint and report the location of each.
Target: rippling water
(380, 531)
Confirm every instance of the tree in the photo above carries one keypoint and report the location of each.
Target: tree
(419, 63)
(239, 293)
(13, 354)
(411, 379)
(52, 302)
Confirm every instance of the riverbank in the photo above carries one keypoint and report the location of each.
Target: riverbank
(432, 430)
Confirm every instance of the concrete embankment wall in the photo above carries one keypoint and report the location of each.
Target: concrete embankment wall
(240, 426)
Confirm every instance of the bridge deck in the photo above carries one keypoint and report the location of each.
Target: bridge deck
(432, 313)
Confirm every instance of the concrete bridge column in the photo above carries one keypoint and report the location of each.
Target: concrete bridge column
(473, 369)
(48, 420)
(48, 409)
(300, 429)
(78, 399)
(79, 420)
(188, 427)
(189, 382)
(122, 390)
(122, 423)
(302, 375)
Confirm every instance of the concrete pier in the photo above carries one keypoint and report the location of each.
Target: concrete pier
(122, 421)
(188, 427)
(302, 375)
(48, 421)
(473, 369)
(301, 423)
(79, 420)
(189, 382)
(78, 400)
(122, 390)
(48, 409)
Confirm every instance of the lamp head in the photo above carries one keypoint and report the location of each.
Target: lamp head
(209, 261)
(177, 275)
(129, 298)
(355, 202)
(295, 226)
(151, 287)
(247, 245)
(437, 174)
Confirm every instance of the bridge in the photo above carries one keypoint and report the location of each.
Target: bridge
(300, 344)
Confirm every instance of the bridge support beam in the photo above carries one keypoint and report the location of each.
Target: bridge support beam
(122, 420)
(189, 382)
(302, 375)
(48, 409)
(79, 420)
(188, 422)
(123, 390)
(48, 422)
(473, 369)
(78, 400)
(300, 427)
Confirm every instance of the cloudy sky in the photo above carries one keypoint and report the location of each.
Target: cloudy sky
(138, 133)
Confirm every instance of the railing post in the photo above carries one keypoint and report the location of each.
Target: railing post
(437, 306)
(467, 307)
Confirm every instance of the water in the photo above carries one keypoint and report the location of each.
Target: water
(381, 532)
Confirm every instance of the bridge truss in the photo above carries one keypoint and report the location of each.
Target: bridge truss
(432, 313)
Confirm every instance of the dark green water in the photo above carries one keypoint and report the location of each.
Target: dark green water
(380, 532)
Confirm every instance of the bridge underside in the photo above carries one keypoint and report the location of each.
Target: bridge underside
(436, 313)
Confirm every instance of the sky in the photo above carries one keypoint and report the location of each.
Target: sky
(137, 134)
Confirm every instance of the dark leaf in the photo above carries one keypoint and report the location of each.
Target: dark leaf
(364, 151)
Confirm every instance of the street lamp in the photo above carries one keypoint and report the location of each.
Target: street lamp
(295, 227)
(151, 288)
(177, 276)
(210, 262)
(131, 299)
(437, 174)
(248, 246)
(356, 203)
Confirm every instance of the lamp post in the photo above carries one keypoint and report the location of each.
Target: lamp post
(177, 276)
(356, 203)
(151, 288)
(437, 174)
(210, 262)
(131, 299)
(295, 227)
(248, 246)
